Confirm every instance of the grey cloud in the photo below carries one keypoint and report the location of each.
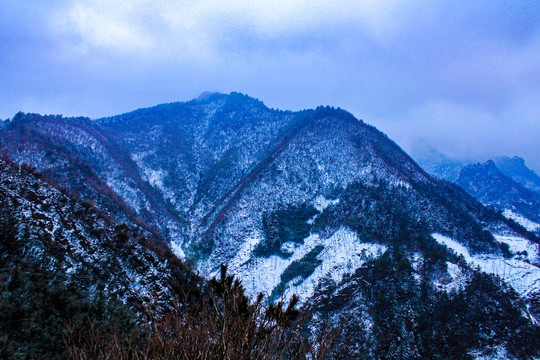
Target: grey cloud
(432, 70)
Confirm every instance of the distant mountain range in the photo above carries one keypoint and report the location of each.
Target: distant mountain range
(504, 183)
(516, 169)
(314, 203)
(489, 185)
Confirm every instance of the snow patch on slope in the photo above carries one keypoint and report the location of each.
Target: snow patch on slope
(343, 253)
(127, 193)
(524, 248)
(523, 221)
(497, 353)
(154, 177)
(457, 276)
(321, 203)
(176, 248)
(523, 276)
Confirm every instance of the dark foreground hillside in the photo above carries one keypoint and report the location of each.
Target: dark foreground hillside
(64, 262)
(73, 284)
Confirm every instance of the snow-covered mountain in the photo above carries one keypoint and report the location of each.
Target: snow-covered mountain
(314, 202)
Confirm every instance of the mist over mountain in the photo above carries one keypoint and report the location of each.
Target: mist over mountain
(436, 163)
(315, 203)
(447, 167)
(504, 183)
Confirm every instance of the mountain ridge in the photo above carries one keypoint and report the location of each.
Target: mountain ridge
(372, 143)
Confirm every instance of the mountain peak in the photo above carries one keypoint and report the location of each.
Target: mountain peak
(484, 170)
(490, 165)
(206, 94)
(235, 99)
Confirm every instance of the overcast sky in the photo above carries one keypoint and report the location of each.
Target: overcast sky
(464, 75)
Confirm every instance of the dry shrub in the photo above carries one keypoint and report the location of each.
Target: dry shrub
(220, 325)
